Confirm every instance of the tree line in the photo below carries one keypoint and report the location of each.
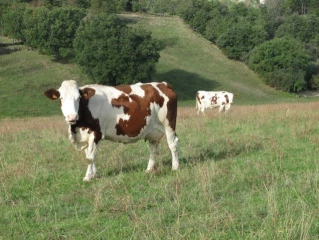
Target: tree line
(279, 40)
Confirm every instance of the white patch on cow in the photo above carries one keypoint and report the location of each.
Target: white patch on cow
(137, 90)
(70, 98)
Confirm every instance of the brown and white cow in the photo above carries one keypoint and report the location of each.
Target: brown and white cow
(122, 114)
(221, 99)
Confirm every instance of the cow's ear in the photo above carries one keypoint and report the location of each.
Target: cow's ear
(87, 93)
(52, 94)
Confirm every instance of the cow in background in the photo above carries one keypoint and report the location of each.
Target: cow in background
(122, 114)
(221, 99)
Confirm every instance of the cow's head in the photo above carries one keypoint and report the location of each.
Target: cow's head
(70, 96)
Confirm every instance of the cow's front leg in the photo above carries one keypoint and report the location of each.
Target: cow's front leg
(90, 152)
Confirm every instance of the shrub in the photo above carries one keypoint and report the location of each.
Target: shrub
(112, 53)
(288, 80)
(53, 32)
(304, 28)
(12, 23)
(282, 62)
(239, 39)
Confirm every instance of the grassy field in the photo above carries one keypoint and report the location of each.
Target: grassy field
(250, 174)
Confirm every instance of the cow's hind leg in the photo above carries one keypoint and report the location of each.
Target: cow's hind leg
(227, 107)
(153, 141)
(153, 145)
(172, 142)
(221, 108)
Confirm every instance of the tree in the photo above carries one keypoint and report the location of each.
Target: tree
(53, 32)
(276, 59)
(302, 27)
(112, 53)
(12, 22)
(109, 6)
(240, 38)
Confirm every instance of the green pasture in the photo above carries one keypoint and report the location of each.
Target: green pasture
(252, 173)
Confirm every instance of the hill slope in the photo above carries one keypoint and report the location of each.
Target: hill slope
(192, 63)
(188, 61)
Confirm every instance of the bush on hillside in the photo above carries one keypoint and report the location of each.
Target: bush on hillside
(52, 32)
(281, 56)
(112, 53)
(240, 38)
(286, 79)
(12, 23)
(304, 28)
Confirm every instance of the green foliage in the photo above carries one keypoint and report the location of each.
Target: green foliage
(278, 57)
(315, 82)
(302, 27)
(302, 6)
(112, 53)
(37, 28)
(52, 31)
(286, 79)
(109, 6)
(240, 38)
(12, 22)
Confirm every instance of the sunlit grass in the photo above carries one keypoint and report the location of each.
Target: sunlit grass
(249, 174)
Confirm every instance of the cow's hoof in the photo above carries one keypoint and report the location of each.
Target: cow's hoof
(87, 179)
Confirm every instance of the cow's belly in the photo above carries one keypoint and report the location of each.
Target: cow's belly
(145, 132)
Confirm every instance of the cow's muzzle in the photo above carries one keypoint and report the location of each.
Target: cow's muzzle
(71, 119)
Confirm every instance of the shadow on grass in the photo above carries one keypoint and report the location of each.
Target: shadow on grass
(210, 155)
(7, 48)
(163, 167)
(186, 84)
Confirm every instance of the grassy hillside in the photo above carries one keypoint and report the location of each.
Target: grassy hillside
(251, 174)
(192, 63)
(187, 60)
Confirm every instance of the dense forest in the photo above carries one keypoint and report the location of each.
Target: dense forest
(279, 39)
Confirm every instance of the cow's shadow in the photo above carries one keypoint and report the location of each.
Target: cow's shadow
(188, 161)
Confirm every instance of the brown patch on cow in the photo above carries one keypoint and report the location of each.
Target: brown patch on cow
(214, 100)
(171, 104)
(124, 88)
(86, 120)
(223, 103)
(227, 99)
(138, 109)
(197, 97)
